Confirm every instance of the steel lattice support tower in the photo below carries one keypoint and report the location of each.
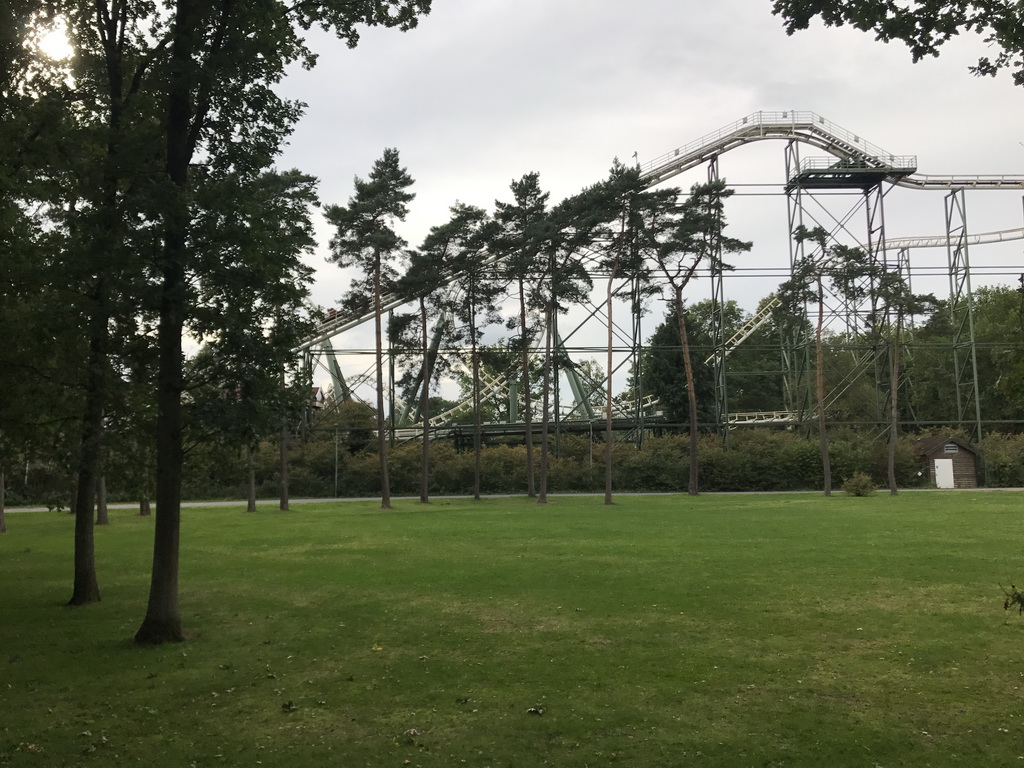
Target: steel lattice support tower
(857, 306)
(796, 359)
(717, 275)
(879, 314)
(961, 307)
(853, 167)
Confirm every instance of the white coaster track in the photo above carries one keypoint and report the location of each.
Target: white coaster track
(813, 129)
(850, 151)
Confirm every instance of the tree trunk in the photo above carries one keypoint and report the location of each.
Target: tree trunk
(3, 517)
(144, 509)
(250, 461)
(86, 589)
(819, 386)
(608, 402)
(425, 409)
(90, 481)
(894, 387)
(101, 501)
(691, 395)
(542, 497)
(385, 486)
(162, 622)
(477, 423)
(283, 505)
(531, 490)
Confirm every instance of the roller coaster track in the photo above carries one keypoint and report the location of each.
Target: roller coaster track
(940, 241)
(852, 154)
(892, 244)
(807, 127)
(851, 150)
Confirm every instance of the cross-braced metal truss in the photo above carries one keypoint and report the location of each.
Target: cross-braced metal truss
(842, 193)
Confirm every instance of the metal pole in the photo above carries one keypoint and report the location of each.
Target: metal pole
(718, 319)
(391, 382)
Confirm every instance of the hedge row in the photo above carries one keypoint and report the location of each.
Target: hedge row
(754, 460)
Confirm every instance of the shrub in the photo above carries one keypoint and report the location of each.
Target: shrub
(1003, 460)
(859, 484)
(660, 466)
(503, 469)
(451, 472)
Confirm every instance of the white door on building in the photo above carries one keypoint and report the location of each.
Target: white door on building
(944, 473)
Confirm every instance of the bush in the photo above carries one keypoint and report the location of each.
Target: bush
(662, 465)
(1003, 460)
(859, 484)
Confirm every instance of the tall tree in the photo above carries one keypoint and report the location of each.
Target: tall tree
(365, 238)
(998, 331)
(640, 220)
(425, 277)
(218, 97)
(899, 303)
(564, 282)
(464, 238)
(887, 301)
(806, 284)
(252, 318)
(37, 112)
(44, 144)
(111, 66)
(519, 241)
(697, 237)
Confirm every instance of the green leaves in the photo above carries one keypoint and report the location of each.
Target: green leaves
(344, 17)
(923, 25)
(364, 236)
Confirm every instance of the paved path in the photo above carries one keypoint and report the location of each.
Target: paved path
(276, 502)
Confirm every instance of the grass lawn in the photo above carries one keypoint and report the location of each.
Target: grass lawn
(787, 630)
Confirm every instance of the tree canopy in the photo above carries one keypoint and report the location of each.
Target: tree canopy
(923, 25)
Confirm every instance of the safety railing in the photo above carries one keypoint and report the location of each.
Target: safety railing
(763, 124)
(890, 163)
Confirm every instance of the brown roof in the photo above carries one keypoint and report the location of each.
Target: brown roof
(927, 445)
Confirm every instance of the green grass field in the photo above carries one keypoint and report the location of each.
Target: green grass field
(784, 630)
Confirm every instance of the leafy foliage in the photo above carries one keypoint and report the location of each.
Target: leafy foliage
(923, 25)
(859, 484)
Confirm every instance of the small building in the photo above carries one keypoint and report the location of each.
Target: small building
(948, 462)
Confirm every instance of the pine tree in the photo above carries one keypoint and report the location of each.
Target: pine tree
(464, 239)
(696, 237)
(365, 238)
(424, 280)
(563, 282)
(519, 241)
(640, 221)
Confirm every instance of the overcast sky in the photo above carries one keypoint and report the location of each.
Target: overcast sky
(484, 91)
